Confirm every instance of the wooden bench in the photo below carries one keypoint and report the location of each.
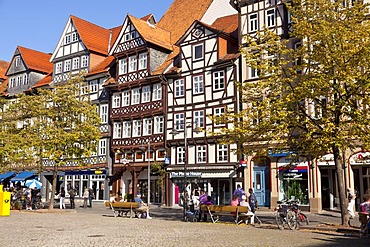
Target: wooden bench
(239, 213)
(128, 209)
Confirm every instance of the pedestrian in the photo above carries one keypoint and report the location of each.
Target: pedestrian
(91, 196)
(86, 197)
(72, 194)
(202, 200)
(235, 201)
(34, 193)
(250, 213)
(351, 203)
(365, 205)
(144, 208)
(252, 200)
(62, 196)
(27, 195)
(239, 192)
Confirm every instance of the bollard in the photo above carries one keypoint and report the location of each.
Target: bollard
(4, 202)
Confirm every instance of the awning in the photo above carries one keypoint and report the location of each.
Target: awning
(6, 175)
(22, 177)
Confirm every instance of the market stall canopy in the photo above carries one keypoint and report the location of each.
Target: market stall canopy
(6, 175)
(33, 184)
(23, 176)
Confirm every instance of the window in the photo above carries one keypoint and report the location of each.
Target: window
(126, 129)
(19, 81)
(102, 147)
(117, 130)
(142, 61)
(93, 86)
(76, 63)
(12, 82)
(17, 61)
(179, 121)
(179, 87)
(116, 100)
(122, 69)
(180, 155)
(84, 61)
(201, 154)
(104, 114)
(270, 14)
(198, 52)
(145, 94)
(139, 156)
(126, 98)
(222, 153)
(217, 113)
(158, 124)
(147, 128)
(199, 119)
(253, 23)
(135, 96)
(133, 63)
(67, 39)
(25, 79)
(74, 37)
(58, 68)
(157, 91)
(84, 89)
(218, 80)
(137, 128)
(67, 65)
(198, 84)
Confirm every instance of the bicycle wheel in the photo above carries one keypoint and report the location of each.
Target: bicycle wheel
(279, 221)
(292, 220)
(302, 219)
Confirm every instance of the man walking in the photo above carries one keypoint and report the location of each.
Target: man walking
(72, 194)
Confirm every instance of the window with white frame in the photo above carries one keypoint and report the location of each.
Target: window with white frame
(126, 131)
(180, 155)
(198, 84)
(218, 80)
(161, 154)
(179, 87)
(132, 64)
(179, 121)
(136, 128)
(67, 39)
(76, 63)
(17, 61)
(19, 80)
(145, 94)
(199, 119)
(116, 100)
(122, 68)
(135, 96)
(142, 61)
(84, 61)
(117, 130)
(270, 16)
(201, 154)
(84, 89)
(223, 153)
(93, 86)
(58, 68)
(198, 52)
(104, 114)
(74, 36)
(217, 113)
(12, 82)
(25, 79)
(103, 147)
(158, 124)
(147, 126)
(157, 91)
(67, 65)
(253, 22)
(126, 98)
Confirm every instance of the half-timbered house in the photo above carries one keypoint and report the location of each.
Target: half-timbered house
(202, 85)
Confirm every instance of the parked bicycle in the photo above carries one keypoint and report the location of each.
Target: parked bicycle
(288, 213)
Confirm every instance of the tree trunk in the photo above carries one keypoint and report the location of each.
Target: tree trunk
(54, 186)
(341, 187)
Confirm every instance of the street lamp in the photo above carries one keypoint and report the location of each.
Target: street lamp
(149, 170)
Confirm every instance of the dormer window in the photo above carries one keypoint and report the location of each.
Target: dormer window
(198, 52)
(74, 37)
(68, 39)
(17, 61)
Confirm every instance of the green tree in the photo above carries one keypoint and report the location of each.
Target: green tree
(59, 127)
(314, 98)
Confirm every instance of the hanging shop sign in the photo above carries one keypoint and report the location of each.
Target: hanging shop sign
(361, 158)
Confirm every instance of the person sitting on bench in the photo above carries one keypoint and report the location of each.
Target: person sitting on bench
(246, 204)
(142, 206)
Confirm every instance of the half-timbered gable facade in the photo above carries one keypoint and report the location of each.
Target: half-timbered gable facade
(26, 68)
(201, 87)
(137, 103)
(82, 46)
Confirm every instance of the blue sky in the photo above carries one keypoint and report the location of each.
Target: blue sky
(39, 24)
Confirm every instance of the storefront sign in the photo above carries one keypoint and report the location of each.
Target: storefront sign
(326, 160)
(289, 165)
(360, 158)
(188, 174)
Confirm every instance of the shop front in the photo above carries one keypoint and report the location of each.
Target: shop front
(329, 188)
(360, 164)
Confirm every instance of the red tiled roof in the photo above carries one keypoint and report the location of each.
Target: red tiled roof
(94, 37)
(115, 32)
(110, 81)
(168, 63)
(46, 81)
(3, 88)
(151, 33)
(36, 60)
(3, 67)
(147, 17)
(103, 66)
(226, 24)
(181, 14)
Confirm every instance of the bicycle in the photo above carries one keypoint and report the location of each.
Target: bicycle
(285, 215)
(301, 217)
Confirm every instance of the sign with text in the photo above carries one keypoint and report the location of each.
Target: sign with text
(188, 174)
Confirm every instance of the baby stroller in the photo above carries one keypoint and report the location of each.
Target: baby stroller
(191, 216)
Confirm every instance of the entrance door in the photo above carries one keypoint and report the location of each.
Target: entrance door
(261, 185)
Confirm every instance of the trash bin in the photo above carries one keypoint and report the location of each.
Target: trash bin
(4, 202)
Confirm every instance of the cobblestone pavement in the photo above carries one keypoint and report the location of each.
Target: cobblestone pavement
(96, 227)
